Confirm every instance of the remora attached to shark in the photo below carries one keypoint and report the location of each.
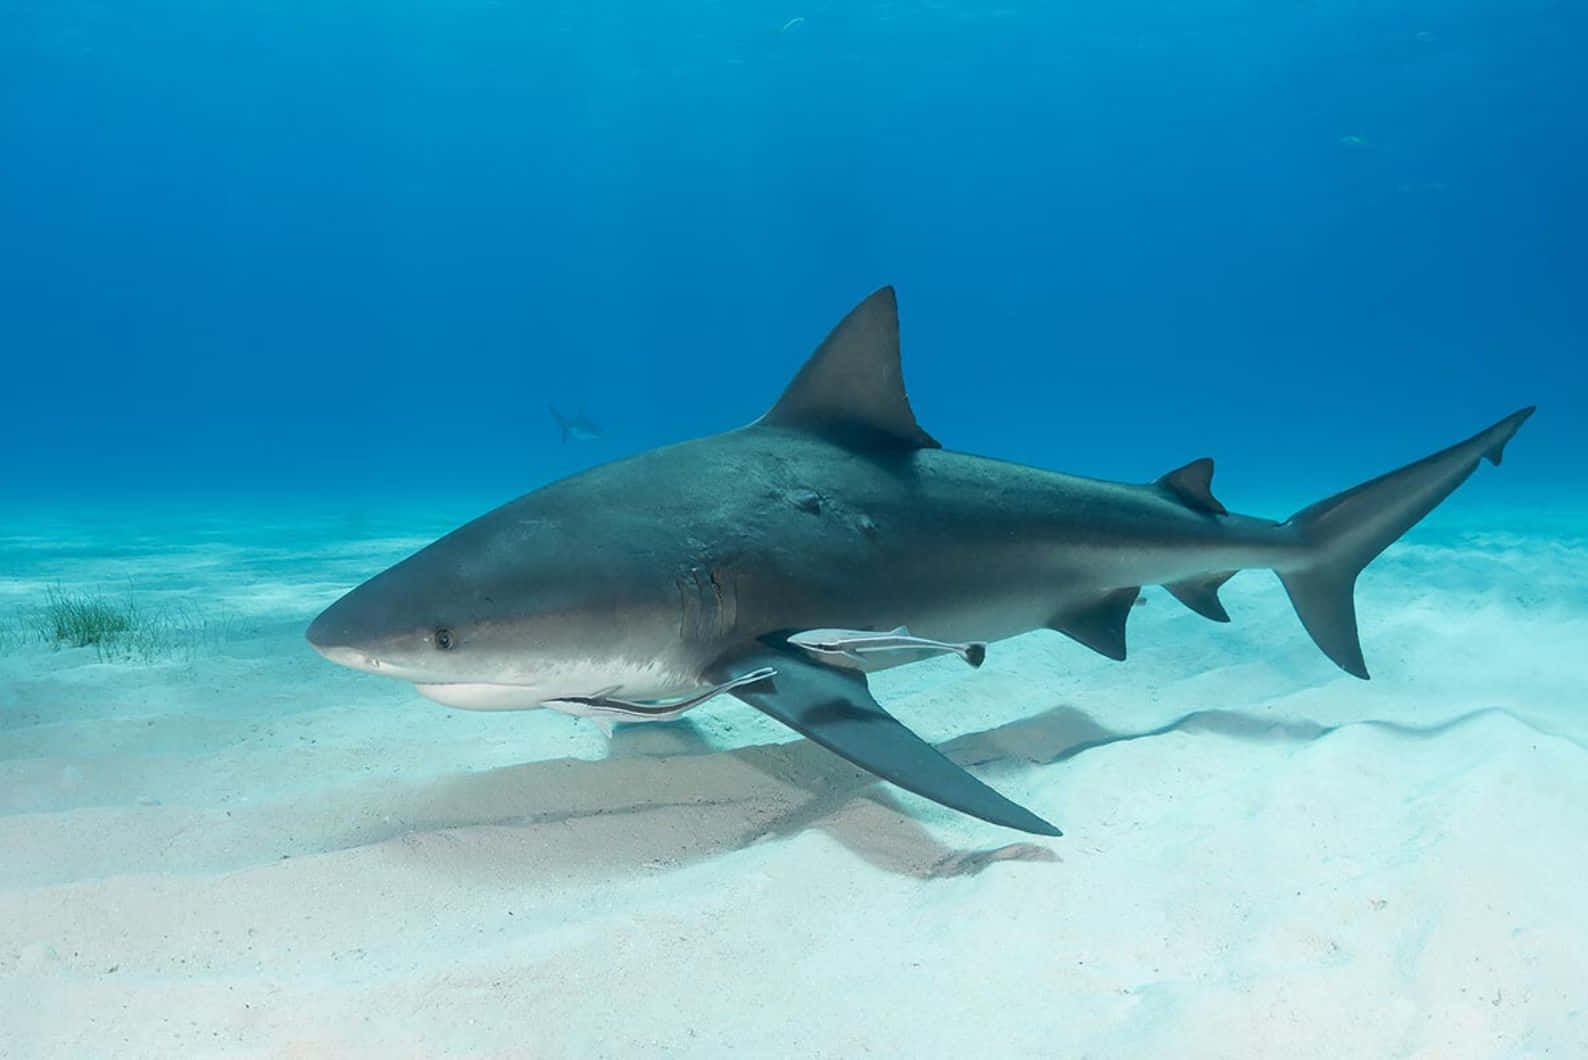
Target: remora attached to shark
(640, 588)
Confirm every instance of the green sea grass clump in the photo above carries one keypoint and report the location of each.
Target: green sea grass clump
(117, 627)
(81, 620)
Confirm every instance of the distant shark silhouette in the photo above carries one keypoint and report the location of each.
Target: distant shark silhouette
(580, 428)
(641, 588)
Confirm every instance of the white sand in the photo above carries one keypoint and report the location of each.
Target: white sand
(246, 850)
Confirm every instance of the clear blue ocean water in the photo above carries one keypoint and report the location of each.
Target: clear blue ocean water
(290, 288)
(282, 251)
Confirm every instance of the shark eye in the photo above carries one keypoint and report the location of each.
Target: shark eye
(444, 640)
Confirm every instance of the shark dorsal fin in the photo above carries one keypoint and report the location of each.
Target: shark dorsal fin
(852, 386)
(1193, 485)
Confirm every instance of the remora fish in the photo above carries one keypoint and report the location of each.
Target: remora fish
(856, 646)
(606, 705)
(687, 567)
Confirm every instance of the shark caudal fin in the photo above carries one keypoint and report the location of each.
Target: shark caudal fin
(1347, 530)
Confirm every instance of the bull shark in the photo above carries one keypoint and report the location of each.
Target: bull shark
(641, 588)
(580, 428)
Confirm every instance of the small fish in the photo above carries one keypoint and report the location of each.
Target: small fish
(605, 704)
(580, 428)
(853, 645)
(797, 20)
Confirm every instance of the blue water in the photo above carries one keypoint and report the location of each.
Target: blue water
(286, 290)
(302, 249)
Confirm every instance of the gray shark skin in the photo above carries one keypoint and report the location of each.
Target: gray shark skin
(654, 577)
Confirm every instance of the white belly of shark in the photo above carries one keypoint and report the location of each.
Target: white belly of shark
(482, 697)
(555, 686)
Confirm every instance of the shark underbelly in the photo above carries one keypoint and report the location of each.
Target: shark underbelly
(553, 685)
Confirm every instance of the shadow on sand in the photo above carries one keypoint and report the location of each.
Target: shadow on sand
(665, 799)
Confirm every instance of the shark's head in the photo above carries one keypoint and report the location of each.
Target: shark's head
(493, 616)
(432, 620)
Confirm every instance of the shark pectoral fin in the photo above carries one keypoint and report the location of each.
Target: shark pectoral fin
(835, 709)
(1202, 594)
(1100, 624)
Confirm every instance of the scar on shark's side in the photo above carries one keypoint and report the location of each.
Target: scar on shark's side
(641, 588)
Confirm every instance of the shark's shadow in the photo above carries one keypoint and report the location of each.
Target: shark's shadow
(672, 800)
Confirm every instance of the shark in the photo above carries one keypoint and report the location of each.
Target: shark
(750, 563)
(579, 427)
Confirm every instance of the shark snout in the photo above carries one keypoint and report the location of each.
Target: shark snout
(324, 637)
(334, 636)
(351, 658)
(379, 632)
(320, 635)
(331, 628)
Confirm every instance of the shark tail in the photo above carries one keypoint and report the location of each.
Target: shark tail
(1345, 532)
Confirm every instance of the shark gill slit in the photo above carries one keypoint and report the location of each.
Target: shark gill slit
(719, 608)
(684, 627)
(707, 605)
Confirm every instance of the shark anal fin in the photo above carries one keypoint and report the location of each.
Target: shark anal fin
(852, 387)
(834, 708)
(1100, 624)
(1193, 486)
(1202, 594)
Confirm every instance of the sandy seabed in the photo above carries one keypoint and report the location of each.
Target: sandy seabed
(236, 848)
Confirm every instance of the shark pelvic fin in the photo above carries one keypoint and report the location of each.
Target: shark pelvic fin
(852, 388)
(1193, 485)
(1202, 594)
(1100, 624)
(834, 708)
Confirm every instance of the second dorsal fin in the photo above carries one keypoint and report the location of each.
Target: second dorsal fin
(853, 387)
(1193, 485)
